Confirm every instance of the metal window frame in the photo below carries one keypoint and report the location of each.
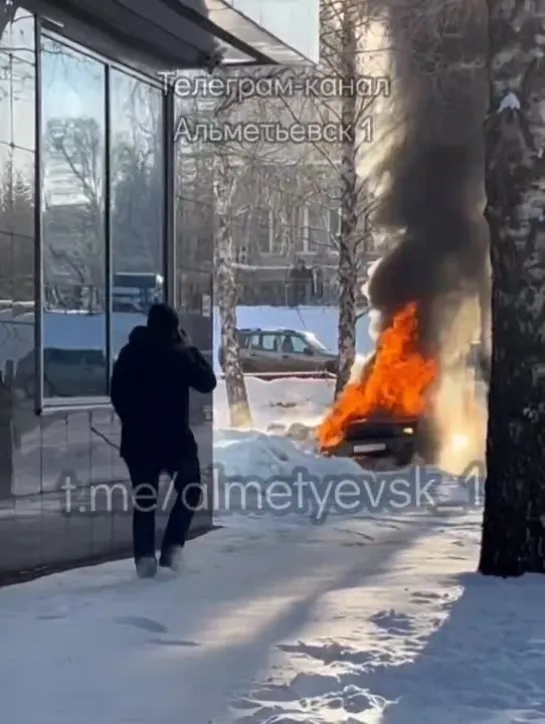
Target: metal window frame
(169, 196)
(62, 35)
(108, 249)
(38, 226)
(43, 405)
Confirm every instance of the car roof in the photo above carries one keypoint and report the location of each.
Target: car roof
(269, 330)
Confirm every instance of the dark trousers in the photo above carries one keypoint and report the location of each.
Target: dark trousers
(185, 494)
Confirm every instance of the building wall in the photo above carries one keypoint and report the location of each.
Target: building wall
(41, 522)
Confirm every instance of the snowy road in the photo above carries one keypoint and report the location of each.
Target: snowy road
(360, 620)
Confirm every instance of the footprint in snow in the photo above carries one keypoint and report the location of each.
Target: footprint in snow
(182, 643)
(425, 596)
(52, 615)
(146, 624)
(392, 622)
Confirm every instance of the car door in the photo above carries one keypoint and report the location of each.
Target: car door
(270, 352)
(292, 353)
(251, 359)
(303, 354)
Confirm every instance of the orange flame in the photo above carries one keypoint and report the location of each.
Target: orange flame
(395, 385)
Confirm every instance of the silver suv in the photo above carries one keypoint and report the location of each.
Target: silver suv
(282, 350)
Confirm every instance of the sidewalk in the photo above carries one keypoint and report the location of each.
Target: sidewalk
(54, 529)
(361, 620)
(38, 535)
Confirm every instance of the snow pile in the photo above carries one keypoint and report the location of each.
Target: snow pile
(266, 451)
(281, 401)
(255, 468)
(258, 455)
(265, 475)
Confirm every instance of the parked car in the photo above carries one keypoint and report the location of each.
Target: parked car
(282, 350)
(67, 373)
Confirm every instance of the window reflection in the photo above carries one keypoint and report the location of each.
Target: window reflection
(194, 214)
(17, 95)
(137, 194)
(16, 31)
(194, 208)
(73, 143)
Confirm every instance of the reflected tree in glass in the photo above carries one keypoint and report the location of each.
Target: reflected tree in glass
(78, 144)
(73, 219)
(137, 188)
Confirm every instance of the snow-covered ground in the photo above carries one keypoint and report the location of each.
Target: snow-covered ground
(377, 620)
(368, 614)
(329, 595)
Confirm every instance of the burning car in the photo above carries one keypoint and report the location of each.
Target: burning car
(368, 440)
(384, 413)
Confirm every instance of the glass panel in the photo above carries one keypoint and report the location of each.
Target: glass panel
(299, 345)
(17, 31)
(313, 341)
(17, 98)
(269, 342)
(21, 217)
(73, 139)
(137, 198)
(194, 170)
(19, 428)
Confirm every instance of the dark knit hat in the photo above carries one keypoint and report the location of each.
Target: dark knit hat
(162, 317)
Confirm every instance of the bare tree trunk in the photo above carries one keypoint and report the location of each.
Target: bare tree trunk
(226, 292)
(513, 536)
(347, 271)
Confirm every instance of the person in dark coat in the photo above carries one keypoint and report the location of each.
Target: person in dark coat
(149, 391)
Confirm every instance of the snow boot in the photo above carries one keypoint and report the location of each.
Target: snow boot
(146, 567)
(173, 558)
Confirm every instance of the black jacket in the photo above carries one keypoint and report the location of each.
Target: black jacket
(149, 390)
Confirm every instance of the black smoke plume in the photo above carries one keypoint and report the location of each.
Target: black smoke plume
(436, 192)
(435, 198)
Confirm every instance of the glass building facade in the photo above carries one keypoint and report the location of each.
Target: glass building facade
(91, 233)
